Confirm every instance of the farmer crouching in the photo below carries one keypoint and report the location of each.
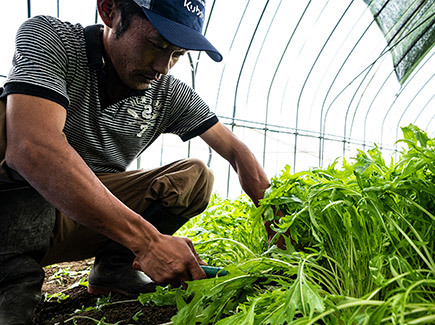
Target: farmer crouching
(81, 105)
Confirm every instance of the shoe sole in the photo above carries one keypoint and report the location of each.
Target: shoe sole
(104, 291)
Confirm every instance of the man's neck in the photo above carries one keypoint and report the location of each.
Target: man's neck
(115, 90)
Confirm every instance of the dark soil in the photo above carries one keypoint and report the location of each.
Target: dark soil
(71, 303)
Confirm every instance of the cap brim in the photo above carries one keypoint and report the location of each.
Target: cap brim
(182, 36)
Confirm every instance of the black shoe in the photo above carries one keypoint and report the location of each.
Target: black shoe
(113, 266)
(113, 272)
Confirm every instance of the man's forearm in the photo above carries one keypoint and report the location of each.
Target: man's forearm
(63, 178)
(254, 182)
(251, 175)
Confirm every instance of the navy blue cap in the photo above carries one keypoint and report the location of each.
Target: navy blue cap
(180, 23)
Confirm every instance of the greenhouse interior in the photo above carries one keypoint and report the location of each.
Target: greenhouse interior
(336, 100)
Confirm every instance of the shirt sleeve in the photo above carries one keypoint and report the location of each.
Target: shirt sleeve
(191, 116)
(40, 62)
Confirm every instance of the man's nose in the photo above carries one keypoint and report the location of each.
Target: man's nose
(163, 64)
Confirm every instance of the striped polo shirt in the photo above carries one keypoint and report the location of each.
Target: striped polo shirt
(63, 62)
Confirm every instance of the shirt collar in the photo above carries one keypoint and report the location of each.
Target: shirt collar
(94, 45)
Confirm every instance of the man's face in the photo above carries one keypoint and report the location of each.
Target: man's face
(140, 54)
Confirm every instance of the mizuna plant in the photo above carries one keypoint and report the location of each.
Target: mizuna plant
(361, 247)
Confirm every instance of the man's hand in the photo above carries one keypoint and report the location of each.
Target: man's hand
(280, 242)
(170, 260)
(251, 175)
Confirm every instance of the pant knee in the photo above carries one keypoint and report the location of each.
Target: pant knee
(26, 222)
(21, 280)
(186, 189)
(199, 193)
(205, 181)
(20, 269)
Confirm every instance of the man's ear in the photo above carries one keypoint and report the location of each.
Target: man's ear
(105, 10)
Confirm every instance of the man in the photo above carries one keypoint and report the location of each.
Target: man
(82, 103)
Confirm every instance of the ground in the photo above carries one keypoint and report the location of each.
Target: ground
(65, 301)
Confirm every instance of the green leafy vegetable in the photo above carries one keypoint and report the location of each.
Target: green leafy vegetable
(361, 250)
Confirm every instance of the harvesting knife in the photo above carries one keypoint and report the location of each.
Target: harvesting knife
(212, 271)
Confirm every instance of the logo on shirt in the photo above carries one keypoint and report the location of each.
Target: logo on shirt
(150, 111)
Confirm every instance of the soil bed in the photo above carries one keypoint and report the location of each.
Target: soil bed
(68, 302)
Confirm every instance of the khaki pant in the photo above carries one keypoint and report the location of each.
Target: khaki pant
(183, 188)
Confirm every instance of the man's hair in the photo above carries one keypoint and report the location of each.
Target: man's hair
(129, 9)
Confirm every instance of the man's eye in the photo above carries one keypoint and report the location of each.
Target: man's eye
(157, 46)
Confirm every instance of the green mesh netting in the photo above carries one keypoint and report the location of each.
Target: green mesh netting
(409, 29)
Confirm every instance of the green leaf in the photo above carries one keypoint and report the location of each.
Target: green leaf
(163, 296)
(303, 296)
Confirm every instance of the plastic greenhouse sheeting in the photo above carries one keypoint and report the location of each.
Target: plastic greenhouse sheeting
(409, 28)
(302, 83)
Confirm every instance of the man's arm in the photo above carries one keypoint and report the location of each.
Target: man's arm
(37, 150)
(252, 177)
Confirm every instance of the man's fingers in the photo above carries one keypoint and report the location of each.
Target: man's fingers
(172, 260)
(190, 244)
(192, 248)
(136, 265)
(197, 272)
